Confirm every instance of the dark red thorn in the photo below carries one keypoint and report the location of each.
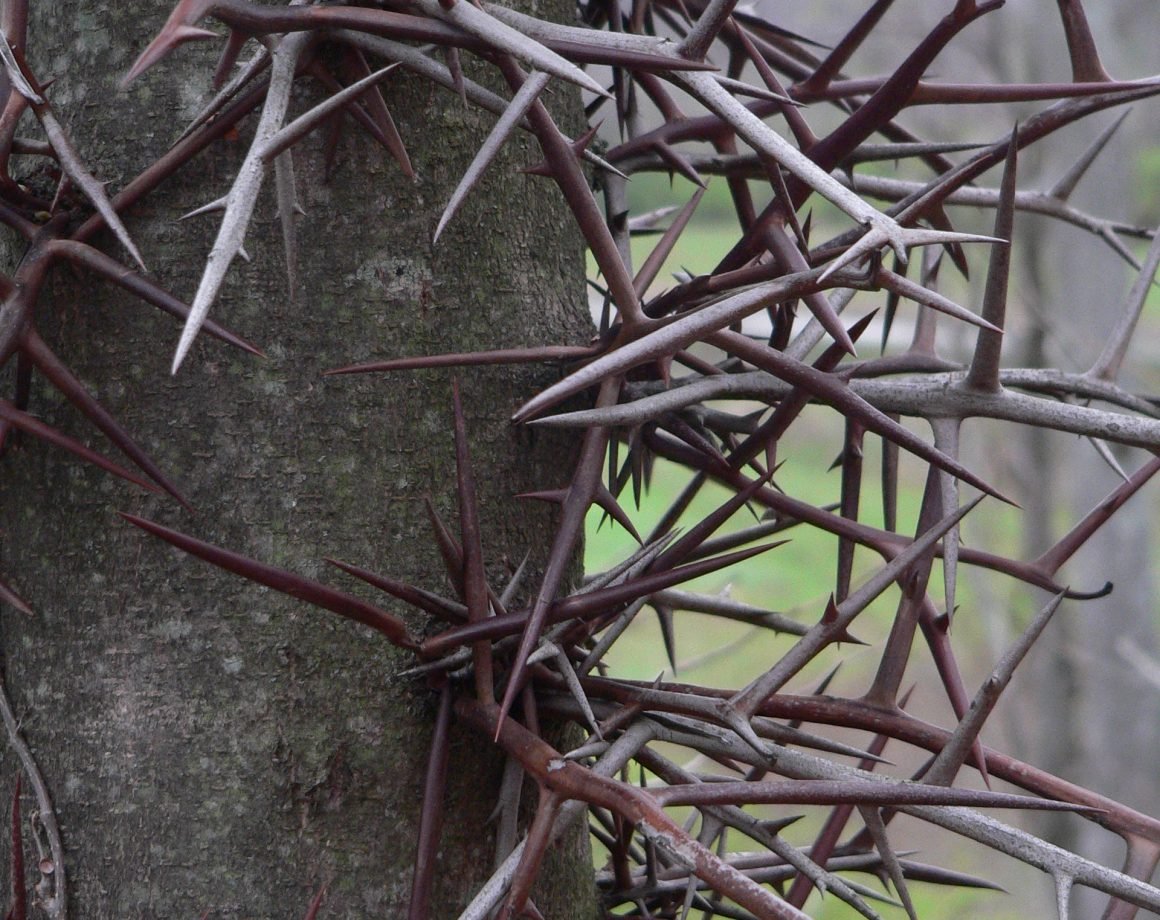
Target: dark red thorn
(935, 630)
(455, 67)
(142, 287)
(802, 133)
(890, 457)
(376, 106)
(1051, 561)
(177, 30)
(850, 501)
(535, 848)
(786, 252)
(416, 597)
(474, 577)
(62, 378)
(612, 508)
(678, 163)
(448, 548)
(281, 580)
(664, 247)
(431, 811)
(570, 178)
(19, 909)
(472, 358)
(831, 67)
(37, 428)
(679, 428)
(315, 903)
(913, 581)
(668, 635)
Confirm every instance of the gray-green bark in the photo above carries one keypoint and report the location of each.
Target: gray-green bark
(211, 745)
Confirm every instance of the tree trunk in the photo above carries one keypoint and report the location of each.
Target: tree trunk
(209, 745)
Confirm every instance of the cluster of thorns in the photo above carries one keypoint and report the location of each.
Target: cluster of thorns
(657, 396)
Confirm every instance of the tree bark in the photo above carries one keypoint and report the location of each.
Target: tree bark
(213, 746)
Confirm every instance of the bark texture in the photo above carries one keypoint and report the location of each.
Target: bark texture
(212, 746)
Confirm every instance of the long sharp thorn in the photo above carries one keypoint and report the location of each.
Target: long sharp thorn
(228, 60)
(19, 892)
(10, 597)
(289, 135)
(611, 507)
(828, 389)
(877, 827)
(688, 543)
(890, 452)
(178, 29)
(851, 462)
(840, 616)
(243, 194)
(416, 597)
(564, 666)
(34, 426)
(1068, 181)
(287, 193)
(141, 286)
(581, 606)
(984, 371)
(829, 68)
(900, 285)
(316, 903)
(1100, 446)
(664, 247)
(504, 38)
(63, 379)
(474, 577)
(66, 153)
(954, 753)
(585, 480)
(1086, 66)
(380, 115)
(1051, 561)
(449, 549)
(946, 439)
(282, 580)
(574, 185)
(86, 181)
(431, 811)
(668, 635)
